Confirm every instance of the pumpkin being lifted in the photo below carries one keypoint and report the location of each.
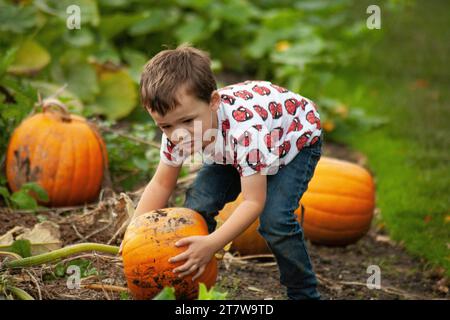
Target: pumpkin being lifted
(61, 152)
(148, 244)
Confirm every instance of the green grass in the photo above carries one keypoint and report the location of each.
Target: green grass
(407, 80)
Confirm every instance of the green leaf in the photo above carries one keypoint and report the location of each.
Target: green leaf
(154, 20)
(192, 30)
(60, 270)
(212, 294)
(7, 59)
(79, 37)
(22, 248)
(36, 189)
(17, 19)
(136, 61)
(5, 194)
(118, 95)
(300, 54)
(124, 295)
(112, 25)
(168, 293)
(86, 268)
(73, 68)
(30, 58)
(22, 200)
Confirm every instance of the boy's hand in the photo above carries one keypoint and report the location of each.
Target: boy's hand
(200, 251)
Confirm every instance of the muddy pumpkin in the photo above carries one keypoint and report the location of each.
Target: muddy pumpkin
(148, 244)
(338, 204)
(61, 152)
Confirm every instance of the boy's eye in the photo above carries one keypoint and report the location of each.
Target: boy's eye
(187, 121)
(165, 127)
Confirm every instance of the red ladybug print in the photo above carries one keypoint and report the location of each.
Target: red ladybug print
(261, 90)
(261, 111)
(291, 105)
(243, 94)
(170, 145)
(303, 103)
(295, 125)
(273, 137)
(314, 140)
(302, 140)
(242, 114)
(168, 155)
(228, 99)
(245, 139)
(255, 159)
(225, 127)
(275, 109)
(278, 88)
(311, 117)
(258, 127)
(284, 148)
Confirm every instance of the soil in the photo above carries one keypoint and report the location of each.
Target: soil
(341, 271)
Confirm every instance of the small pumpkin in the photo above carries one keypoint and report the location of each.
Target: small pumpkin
(61, 152)
(149, 242)
(338, 203)
(250, 241)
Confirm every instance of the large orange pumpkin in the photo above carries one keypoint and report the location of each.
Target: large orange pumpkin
(61, 152)
(149, 242)
(338, 203)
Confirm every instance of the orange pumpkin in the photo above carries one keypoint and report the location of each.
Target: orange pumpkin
(61, 152)
(339, 204)
(149, 242)
(250, 241)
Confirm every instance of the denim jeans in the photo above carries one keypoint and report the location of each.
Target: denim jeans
(217, 184)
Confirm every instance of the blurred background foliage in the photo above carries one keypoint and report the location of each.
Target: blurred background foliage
(95, 70)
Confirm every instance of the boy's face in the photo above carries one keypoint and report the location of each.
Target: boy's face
(188, 122)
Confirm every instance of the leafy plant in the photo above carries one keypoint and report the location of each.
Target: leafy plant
(168, 293)
(26, 197)
(60, 269)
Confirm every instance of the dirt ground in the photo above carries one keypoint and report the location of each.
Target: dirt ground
(341, 271)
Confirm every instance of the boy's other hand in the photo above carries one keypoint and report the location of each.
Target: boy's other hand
(197, 256)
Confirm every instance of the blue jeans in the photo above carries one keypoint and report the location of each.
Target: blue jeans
(217, 184)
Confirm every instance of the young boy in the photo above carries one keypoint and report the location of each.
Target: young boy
(255, 137)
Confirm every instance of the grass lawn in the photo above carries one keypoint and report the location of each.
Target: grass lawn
(407, 80)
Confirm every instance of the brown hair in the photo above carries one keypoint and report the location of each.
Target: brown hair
(169, 70)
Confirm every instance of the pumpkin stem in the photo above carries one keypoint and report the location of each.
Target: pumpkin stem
(60, 253)
(19, 293)
(52, 102)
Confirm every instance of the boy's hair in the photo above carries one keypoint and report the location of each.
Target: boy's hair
(169, 70)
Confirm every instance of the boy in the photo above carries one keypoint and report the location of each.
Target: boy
(255, 137)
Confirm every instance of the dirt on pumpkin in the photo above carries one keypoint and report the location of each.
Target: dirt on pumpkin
(342, 271)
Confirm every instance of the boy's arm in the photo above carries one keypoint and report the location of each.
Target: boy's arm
(254, 197)
(158, 190)
(202, 248)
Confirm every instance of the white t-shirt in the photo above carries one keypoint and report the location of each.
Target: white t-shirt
(262, 127)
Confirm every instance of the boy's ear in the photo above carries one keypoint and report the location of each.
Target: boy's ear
(215, 100)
